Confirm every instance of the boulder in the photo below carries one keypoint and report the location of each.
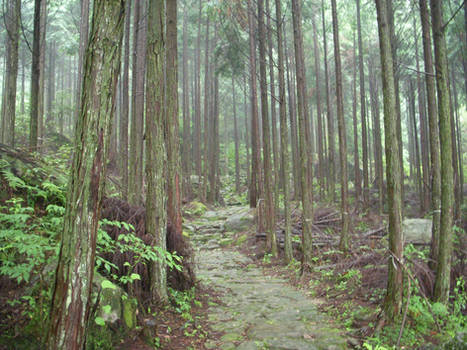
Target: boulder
(241, 221)
(417, 231)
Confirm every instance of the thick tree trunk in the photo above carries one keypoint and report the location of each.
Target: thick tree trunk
(344, 239)
(156, 155)
(71, 298)
(393, 299)
(443, 270)
(8, 117)
(83, 42)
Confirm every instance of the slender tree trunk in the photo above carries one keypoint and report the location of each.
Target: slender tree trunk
(23, 78)
(305, 157)
(321, 167)
(156, 155)
(366, 183)
(8, 117)
(237, 146)
(125, 104)
(40, 105)
(434, 133)
(186, 144)
(206, 114)
(247, 133)
(283, 136)
(416, 151)
(293, 123)
(171, 120)
(35, 73)
(197, 124)
(344, 239)
(356, 155)
(378, 149)
(330, 117)
(443, 270)
(425, 202)
(51, 89)
(254, 192)
(393, 299)
(269, 206)
(71, 298)
(275, 151)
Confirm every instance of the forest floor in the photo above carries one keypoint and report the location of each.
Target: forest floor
(255, 310)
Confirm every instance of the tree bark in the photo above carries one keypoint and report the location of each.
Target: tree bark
(269, 206)
(156, 155)
(304, 141)
(71, 298)
(8, 117)
(443, 270)
(344, 239)
(125, 104)
(236, 138)
(393, 299)
(330, 117)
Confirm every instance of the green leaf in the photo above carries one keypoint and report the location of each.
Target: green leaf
(107, 309)
(108, 285)
(135, 276)
(99, 321)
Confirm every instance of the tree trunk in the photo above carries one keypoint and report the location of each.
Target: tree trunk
(50, 120)
(330, 117)
(305, 157)
(425, 202)
(125, 105)
(366, 184)
(197, 124)
(171, 120)
(237, 146)
(156, 155)
(71, 299)
(35, 73)
(356, 155)
(8, 116)
(443, 270)
(135, 181)
(269, 207)
(254, 192)
(83, 42)
(321, 167)
(283, 136)
(434, 133)
(393, 299)
(344, 239)
(206, 114)
(186, 144)
(40, 104)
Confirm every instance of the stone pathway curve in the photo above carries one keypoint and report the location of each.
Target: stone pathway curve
(257, 311)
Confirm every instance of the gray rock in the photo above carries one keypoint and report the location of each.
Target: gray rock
(417, 231)
(241, 221)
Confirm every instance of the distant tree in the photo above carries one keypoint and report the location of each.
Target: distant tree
(8, 117)
(71, 298)
(344, 239)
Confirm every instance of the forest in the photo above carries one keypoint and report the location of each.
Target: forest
(243, 174)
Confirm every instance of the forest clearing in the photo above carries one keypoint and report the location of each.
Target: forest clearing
(245, 174)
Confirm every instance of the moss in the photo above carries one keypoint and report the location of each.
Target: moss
(129, 312)
(197, 208)
(242, 239)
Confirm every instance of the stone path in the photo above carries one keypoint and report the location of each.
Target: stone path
(258, 311)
